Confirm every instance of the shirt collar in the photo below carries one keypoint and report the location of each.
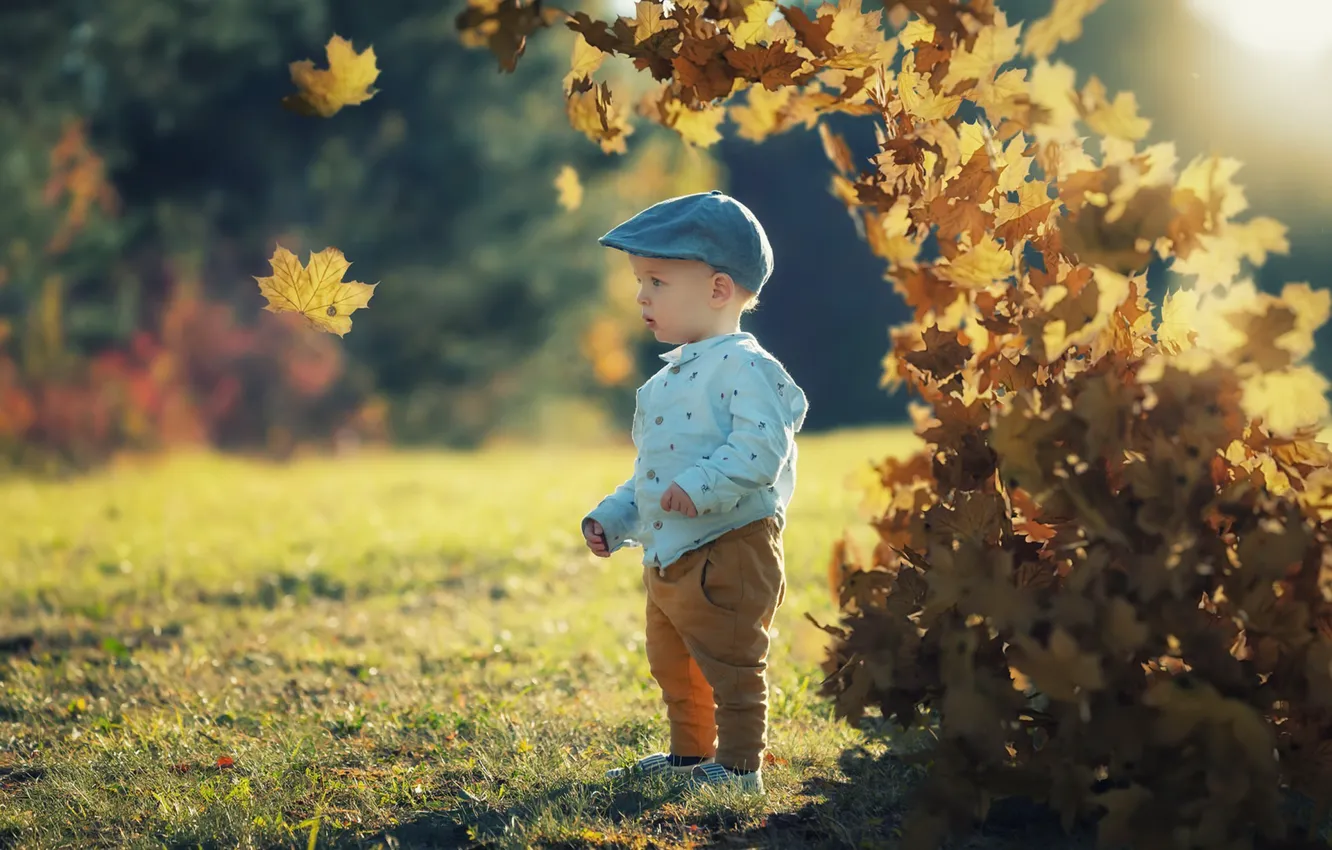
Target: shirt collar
(690, 350)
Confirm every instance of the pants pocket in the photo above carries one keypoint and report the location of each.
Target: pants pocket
(722, 584)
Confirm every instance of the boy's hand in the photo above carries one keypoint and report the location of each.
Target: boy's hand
(676, 499)
(595, 536)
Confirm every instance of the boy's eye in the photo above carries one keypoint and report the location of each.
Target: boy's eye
(655, 281)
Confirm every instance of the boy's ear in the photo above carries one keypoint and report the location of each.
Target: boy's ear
(723, 287)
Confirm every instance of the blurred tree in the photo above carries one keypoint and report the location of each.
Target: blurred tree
(441, 187)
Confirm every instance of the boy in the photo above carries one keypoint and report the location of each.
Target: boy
(716, 469)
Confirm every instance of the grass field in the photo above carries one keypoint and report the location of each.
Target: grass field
(397, 650)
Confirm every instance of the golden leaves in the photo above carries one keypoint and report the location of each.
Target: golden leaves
(503, 26)
(593, 114)
(316, 291)
(696, 126)
(605, 346)
(980, 265)
(994, 45)
(346, 81)
(570, 188)
(585, 60)
(1117, 118)
(1064, 23)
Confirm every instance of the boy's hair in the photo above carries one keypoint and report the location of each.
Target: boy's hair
(751, 299)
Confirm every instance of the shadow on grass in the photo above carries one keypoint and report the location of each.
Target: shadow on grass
(862, 806)
(476, 826)
(863, 809)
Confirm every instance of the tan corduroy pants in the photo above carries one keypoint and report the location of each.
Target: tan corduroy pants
(708, 616)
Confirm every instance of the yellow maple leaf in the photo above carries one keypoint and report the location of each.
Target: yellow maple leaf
(761, 115)
(316, 291)
(569, 187)
(1288, 400)
(1210, 178)
(1179, 319)
(1155, 166)
(1064, 23)
(1002, 96)
(888, 237)
(984, 263)
(754, 29)
(1256, 238)
(648, 20)
(921, 99)
(1118, 118)
(1015, 164)
(1311, 307)
(1213, 262)
(594, 114)
(585, 60)
(1033, 201)
(1216, 259)
(1052, 89)
(859, 35)
(994, 46)
(696, 126)
(852, 29)
(971, 137)
(917, 29)
(346, 81)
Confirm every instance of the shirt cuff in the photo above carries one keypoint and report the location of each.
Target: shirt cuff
(694, 481)
(619, 527)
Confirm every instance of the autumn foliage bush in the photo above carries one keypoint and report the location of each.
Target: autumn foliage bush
(1104, 575)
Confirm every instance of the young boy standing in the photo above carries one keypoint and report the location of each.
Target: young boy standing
(716, 469)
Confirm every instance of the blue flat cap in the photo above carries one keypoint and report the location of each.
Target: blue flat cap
(709, 226)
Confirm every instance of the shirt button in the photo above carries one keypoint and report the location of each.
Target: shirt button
(657, 524)
(675, 370)
(658, 420)
(652, 473)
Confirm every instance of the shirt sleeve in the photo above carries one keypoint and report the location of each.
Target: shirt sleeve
(765, 416)
(618, 512)
(618, 515)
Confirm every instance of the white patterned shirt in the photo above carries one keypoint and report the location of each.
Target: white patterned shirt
(719, 420)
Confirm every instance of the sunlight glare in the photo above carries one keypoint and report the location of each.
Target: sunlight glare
(1291, 27)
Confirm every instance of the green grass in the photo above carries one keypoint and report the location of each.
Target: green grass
(407, 649)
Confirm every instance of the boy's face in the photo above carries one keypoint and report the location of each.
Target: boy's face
(681, 300)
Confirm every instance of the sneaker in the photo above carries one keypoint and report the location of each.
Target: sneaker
(654, 764)
(713, 776)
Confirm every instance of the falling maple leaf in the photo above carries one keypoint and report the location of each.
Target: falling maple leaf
(597, 116)
(570, 189)
(993, 47)
(696, 126)
(754, 28)
(1118, 118)
(346, 82)
(316, 291)
(980, 265)
(1064, 23)
(585, 60)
